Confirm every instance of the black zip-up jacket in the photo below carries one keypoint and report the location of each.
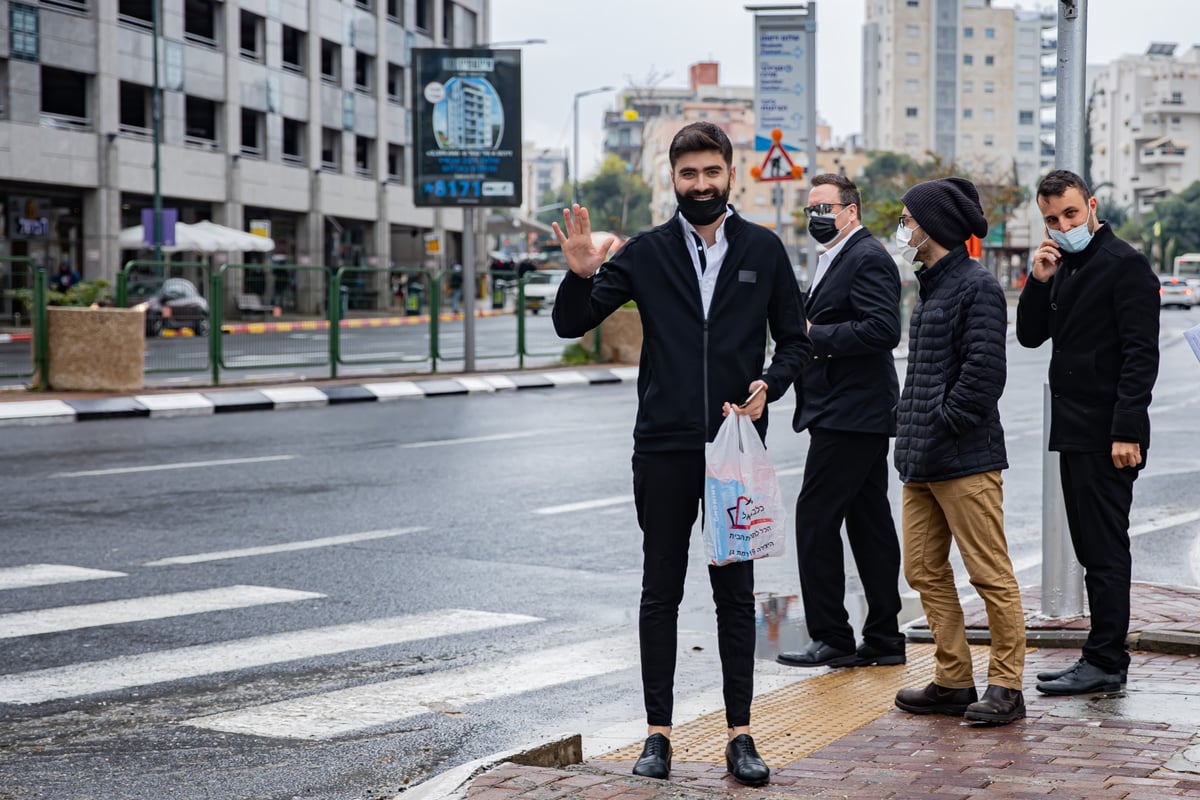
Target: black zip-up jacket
(691, 365)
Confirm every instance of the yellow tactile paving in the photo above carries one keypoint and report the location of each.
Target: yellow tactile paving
(792, 722)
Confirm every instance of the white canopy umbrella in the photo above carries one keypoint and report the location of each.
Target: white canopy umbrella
(233, 239)
(201, 237)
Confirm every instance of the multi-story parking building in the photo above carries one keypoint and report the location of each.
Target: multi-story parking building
(295, 113)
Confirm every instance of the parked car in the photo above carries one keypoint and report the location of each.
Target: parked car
(1178, 292)
(541, 287)
(175, 304)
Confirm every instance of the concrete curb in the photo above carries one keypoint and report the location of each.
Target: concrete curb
(560, 751)
(222, 401)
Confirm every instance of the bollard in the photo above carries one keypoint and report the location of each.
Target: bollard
(1062, 576)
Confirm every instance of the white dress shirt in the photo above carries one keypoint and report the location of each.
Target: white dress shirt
(708, 268)
(826, 258)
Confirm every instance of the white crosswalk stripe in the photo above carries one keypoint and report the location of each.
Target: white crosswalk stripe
(346, 711)
(126, 672)
(29, 575)
(66, 618)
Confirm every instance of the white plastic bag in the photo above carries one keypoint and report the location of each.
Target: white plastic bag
(744, 514)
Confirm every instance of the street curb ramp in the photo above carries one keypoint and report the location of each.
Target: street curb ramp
(560, 751)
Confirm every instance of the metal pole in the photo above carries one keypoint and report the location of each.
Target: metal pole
(575, 150)
(810, 114)
(156, 112)
(468, 288)
(1062, 577)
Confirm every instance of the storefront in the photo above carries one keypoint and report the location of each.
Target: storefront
(43, 226)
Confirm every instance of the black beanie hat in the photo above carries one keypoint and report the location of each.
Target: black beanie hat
(947, 209)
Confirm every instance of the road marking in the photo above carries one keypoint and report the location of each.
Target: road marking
(220, 462)
(498, 437)
(48, 574)
(1164, 522)
(337, 713)
(113, 612)
(586, 505)
(126, 672)
(283, 547)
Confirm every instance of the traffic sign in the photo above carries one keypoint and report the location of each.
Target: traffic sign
(777, 165)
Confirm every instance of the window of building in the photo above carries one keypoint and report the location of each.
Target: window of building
(968, 86)
(989, 61)
(364, 156)
(1176, 98)
(366, 5)
(395, 11)
(294, 42)
(254, 125)
(331, 62)
(968, 113)
(1025, 90)
(64, 97)
(331, 149)
(68, 5)
(294, 142)
(1024, 117)
(135, 13)
(912, 31)
(395, 84)
(912, 58)
(989, 33)
(968, 32)
(424, 20)
(912, 86)
(989, 87)
(364, 72)
(395, 165)
(200, 121)
(250, 35)
(910, 112)
(1025, 146)
(448, 22)
(968, 141)
(968, 59)
(911, 140)
(134, 112)
(3, 87)
(23, 32)
(989, 115)
(200, 21)
(1176, 121)
(989, 140)
(914, 3)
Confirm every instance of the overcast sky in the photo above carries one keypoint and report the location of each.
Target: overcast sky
(594, 43)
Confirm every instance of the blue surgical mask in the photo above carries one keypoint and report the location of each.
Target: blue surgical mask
(1075, 240)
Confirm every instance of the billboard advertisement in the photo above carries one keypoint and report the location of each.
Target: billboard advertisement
(466, 127)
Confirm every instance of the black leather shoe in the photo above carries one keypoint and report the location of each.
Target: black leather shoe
(744, 763)
(655, 760)
(998, 706)
(934, 699)
(1083, 678)
(868, 656)
(818, 654)
(1055, 674)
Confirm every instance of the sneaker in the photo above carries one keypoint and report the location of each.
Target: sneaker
(655, 760)
(998, 706)
(934, 699)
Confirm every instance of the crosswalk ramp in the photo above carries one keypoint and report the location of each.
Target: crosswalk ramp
(316, 716)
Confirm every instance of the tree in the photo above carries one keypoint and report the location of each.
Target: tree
(617, 198)
(1180, 218)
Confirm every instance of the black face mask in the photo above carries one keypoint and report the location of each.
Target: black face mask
(702, 212)
(823, 229)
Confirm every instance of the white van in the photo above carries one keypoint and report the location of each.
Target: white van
(1187, 266)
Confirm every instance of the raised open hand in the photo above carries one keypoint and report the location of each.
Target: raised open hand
(583, 255)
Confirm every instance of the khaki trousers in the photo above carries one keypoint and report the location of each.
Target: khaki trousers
(970, 512)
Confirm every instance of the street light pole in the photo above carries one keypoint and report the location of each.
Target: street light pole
(575, 150)
(156, 112)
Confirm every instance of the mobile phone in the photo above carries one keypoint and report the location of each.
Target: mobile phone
(753, 394)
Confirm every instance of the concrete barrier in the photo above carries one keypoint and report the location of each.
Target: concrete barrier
(96, 349)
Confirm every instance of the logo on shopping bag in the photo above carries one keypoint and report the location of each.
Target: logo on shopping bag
(745, 514)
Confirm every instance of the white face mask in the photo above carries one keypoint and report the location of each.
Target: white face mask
(908, 251)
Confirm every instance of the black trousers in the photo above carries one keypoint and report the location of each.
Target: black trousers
(846, 478)
(667, 489)
(1098, 496)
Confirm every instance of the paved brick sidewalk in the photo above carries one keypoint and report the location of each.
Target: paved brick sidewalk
(1138, 745)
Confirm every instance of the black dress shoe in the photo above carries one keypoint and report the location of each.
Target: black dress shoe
(655, 760)
(1055, 674)
(818, 654)
(744, 763)
(1083, 678)
(868, 656)
(998, 706)
(934, 699)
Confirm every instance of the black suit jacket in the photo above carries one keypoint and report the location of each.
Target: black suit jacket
(850, 382)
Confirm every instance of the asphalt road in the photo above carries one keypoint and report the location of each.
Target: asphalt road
(339, 602)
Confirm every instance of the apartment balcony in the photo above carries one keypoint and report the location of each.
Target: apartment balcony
(1049, 44)
(1049, 71)
(1163, 152)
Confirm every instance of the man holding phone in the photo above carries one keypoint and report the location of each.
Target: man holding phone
(1097, 299)
(708, 287)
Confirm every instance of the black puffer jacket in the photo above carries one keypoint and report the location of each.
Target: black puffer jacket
(949, 417)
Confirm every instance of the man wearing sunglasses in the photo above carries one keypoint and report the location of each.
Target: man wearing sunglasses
(846, 399)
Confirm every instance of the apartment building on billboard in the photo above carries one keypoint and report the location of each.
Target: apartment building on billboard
(292, 112)
(1145, 125)
(965, 81)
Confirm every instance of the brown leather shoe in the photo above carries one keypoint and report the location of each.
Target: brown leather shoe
(998, 706)
(934, 699)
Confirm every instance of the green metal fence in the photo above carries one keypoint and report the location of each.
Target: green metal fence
(173, 295)
(18, 276)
